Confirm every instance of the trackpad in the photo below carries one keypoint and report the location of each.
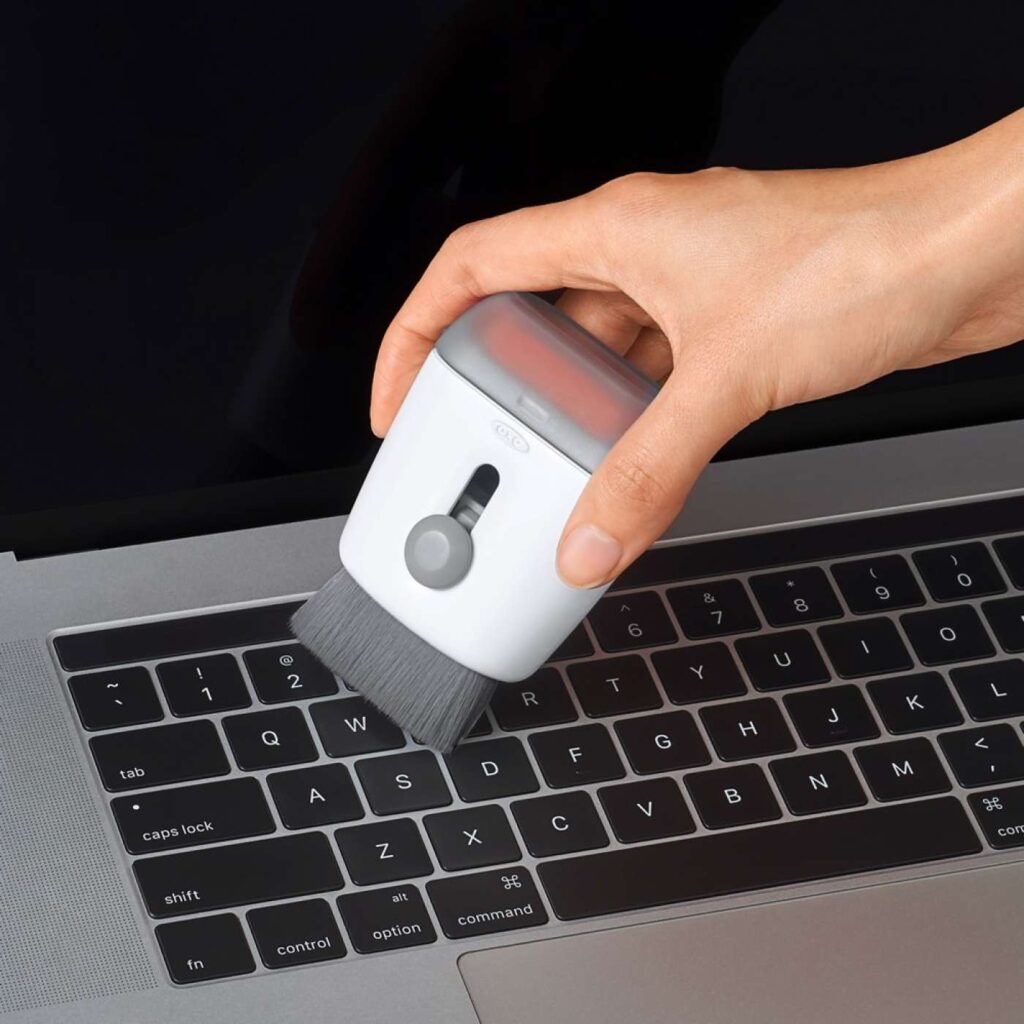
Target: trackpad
(928, 951)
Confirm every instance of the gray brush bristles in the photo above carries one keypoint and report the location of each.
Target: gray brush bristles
(416, 686)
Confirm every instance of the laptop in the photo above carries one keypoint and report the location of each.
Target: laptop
(777, 775)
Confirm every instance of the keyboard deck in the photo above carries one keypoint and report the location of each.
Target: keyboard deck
(735, 715)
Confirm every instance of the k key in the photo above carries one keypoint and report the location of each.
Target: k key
(915, 703)
(197, 686)
(984, 757)
(630, 621)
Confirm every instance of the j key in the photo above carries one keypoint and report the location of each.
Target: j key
(799, 595)
(624, 623)
(959, 571)
(485, 902)
(748, 728)
(662, 743)
(947, 634)
(491, 769)
(576, 645)
(269, 739)
(540, 700)
(352, 726)
(915, 703)
(158, 755)
(726, 797)
(123, 696)
(1000, 812)
(986, 756)
(641, 811)
(288, 672)
(197, 686)
(576, 756)
(614, 686)
(698, 672)
(992, 690)
(384, 919)
(713, 609)
(204, 949)
(834, 714)
(383, 851)
(191, 815)
(321, 795)
(228, 876)
(1011, 553)
(793, 851)
(475, 837)
(777, 660)
(815, 783)
(867, 647)
(291, 934)
(1006, 617)
(904, 769)
(563, 823)
(401, 783)
(877, 584)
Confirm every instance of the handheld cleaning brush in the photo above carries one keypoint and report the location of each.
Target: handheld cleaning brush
(448, 585)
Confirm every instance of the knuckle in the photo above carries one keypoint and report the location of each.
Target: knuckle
(628, 481)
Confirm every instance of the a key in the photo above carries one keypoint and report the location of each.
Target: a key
(726, 797)
(630, 621)
(614, 686)
(1000, 812)
(213, 812)
(288, 672)
(269, 739)
(123, 696)
(158, 755)
(959, 571)
(383, 919)
(833, 714)
(877, 584)
(915, 703)
(321, 795)
(984, 757)
(641, 811)
(943, 635)
(992, 690)
(576, 756)
(353, 726)
(815, 783)
(383, 851)
(562, 823)
(576, 645)
(540, 700)
(291, 934)
(474, 837)
(1011, 553)
(867, 647)
(698, 672)
(204, 949)
(400, 783)
(795, 596)
(1006, 617)
(662, 743)
(198, 686)
(487, 901)
(747, 729)
(901, 770)
(713, 609)
(491, 769)
(775, 661)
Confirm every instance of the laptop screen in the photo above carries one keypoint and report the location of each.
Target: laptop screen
(210, 213)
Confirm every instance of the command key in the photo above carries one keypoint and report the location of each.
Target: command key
(1000, 813)
(491, 901)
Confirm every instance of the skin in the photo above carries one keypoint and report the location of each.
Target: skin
(744, 291)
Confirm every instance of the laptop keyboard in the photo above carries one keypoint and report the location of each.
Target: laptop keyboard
(737, 714)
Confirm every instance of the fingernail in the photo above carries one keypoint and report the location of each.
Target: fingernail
(588, 556)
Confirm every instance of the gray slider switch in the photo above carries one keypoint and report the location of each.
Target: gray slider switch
(438, 552)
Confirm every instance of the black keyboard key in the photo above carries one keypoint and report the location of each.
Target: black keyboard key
(796, 595)
(866, 647)
(383, 851)
(662, 743)
(288, 672)
(106, 700)
(901, 770)
(1000, 812)
(540, 700)
(576, 756)
(713, 609)
(228, 876)
(815, 783)
(482, 727)
(984, 757)
(269, 739)
(915, 703)
(746, 729)
(576, 645)
(992, 690)
(1011, 553)
(562, 823)
(491, 769)
(877, 584)
(400, 783)
(158, 755)
(485, 902)
(726, 797)
(698, 672)
(292, 934)
(833, 714)
(805, 850)
(474, 837)
(208, 948)
(779, 660)
(614, 686)
(354, 726)
(321, 795)
(167, 819)
(959, 571)
(631, 621)
(641, 811)
(383, 919)
(198, 686)
(1006, 617)
(947, 634)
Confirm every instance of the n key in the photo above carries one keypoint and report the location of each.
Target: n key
(815, 783)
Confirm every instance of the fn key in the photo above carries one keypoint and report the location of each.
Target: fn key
(206, 948)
